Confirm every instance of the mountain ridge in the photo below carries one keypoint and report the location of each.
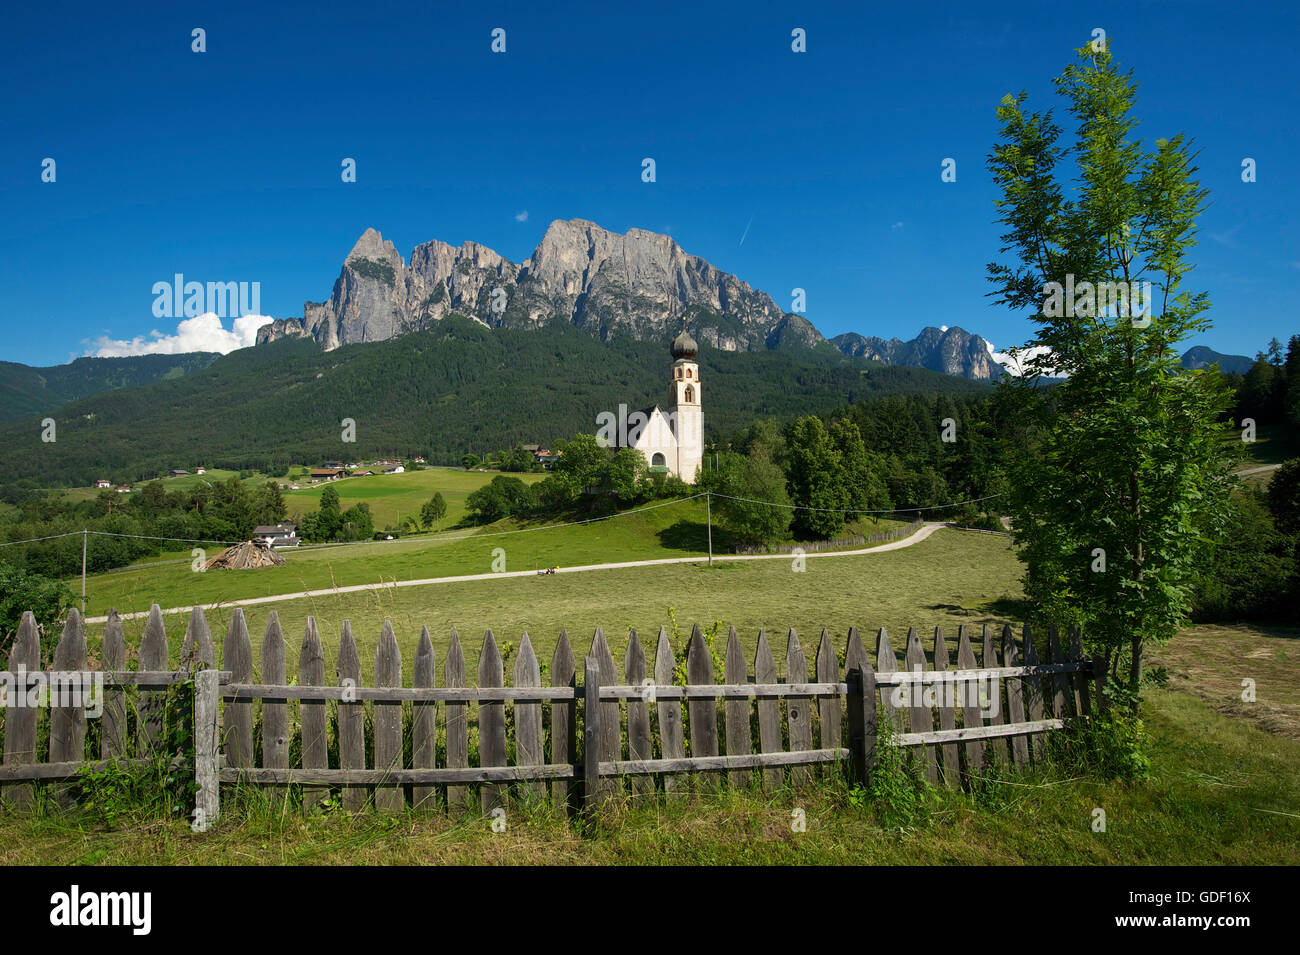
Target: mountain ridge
(640, 284)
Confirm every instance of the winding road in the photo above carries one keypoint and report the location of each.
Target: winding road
(921, 534)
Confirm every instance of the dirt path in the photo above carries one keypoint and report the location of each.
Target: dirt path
(925, 531)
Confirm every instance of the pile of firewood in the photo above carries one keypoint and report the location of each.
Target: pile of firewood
(245, 556)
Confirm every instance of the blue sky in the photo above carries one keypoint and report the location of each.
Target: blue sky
(224, 166)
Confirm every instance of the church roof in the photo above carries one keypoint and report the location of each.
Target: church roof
(684, 346)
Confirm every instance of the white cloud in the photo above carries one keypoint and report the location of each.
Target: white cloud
(897, 225)
(521, 216)
(201, 333)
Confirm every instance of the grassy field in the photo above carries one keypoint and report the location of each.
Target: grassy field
(1212, 661)
(954, 577)
(394, 496)
(676, 530)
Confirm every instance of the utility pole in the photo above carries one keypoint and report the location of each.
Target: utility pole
(708, 510)
(84, 535)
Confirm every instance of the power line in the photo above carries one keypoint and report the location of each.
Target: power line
(33, 540)
(436, 539)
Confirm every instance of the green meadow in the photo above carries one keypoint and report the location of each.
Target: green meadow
(394, 496)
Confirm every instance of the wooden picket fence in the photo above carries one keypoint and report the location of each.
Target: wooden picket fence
(632, 718)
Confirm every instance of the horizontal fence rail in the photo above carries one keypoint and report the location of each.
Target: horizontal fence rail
(657, 724)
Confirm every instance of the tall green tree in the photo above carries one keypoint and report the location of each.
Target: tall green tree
(1110, 511)
(434, 510)
(815, 476)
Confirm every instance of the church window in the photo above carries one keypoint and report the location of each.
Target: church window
(657, 460)
(690, 394)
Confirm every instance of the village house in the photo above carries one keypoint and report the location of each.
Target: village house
(179, 472)
(546, 457)
(103, 483)
(124, 489)
(277, 535)
(326, 474)
(200, 470)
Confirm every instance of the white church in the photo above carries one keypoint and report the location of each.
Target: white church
(673, 440)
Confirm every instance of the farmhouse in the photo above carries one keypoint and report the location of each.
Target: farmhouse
(672, 441)
(277, 535)
(327, 474)
(103, 483)
(179, 472)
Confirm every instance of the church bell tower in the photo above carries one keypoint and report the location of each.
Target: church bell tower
(688, 424)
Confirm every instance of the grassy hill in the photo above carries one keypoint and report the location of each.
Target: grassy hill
(440, 393)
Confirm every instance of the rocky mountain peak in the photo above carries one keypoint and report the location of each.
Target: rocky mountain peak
(639, 284)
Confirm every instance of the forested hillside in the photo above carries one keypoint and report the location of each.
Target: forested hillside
(439, 393)
(26, 390)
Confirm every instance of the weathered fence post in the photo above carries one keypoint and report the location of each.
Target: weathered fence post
(456, 716)
(591, 732)
(798, 709)
(861, 680)
(275, 716)
(830, 726)
(950, 761)
(491, 721)
(769, 713)
(315, 722)
(68, 723)
(1062, 696)
(672, 739)
(920, 719)
(1033, 690)
(352, 719)
(1082, 699)
(389, 797)
(887, 662)
(153, 703)
(237, 657)
(611, 736)
(207, 802)
(196, 648)
(702, 711)
(424, 725)
(736, 711)
(20, 721)
(995, 711)
(564, 724)
(970, 703)
(1015, 698)
(112, 730)
(528, 718)
(639, 745)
